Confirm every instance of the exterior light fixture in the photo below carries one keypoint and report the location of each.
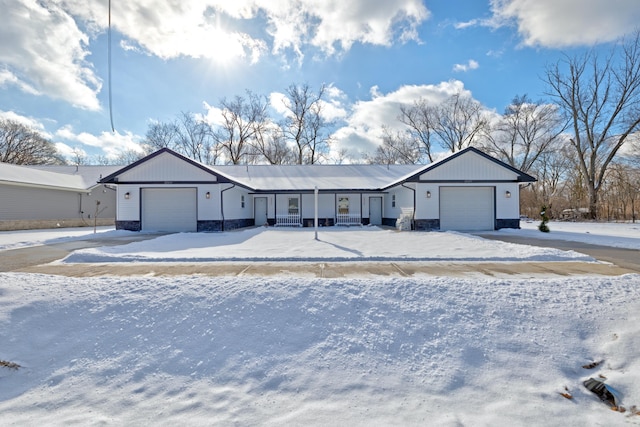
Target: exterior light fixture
(507, 194)
(207, 195)
(428, 194)
(127, 195)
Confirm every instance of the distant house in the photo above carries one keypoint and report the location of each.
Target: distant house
(55, 196)
(466, 191)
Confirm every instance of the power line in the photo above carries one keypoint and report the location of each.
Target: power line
(109, 72)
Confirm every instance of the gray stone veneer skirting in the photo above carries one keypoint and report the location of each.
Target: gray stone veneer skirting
(427, 224)
(507, 223)
(128, 225)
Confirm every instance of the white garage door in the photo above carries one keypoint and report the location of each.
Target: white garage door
(169, 209)
(467, 208)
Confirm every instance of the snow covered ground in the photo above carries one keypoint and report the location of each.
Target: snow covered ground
(333, 244)
(282, 350)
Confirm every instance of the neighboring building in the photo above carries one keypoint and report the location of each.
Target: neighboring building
(55, 196)
(466, 191)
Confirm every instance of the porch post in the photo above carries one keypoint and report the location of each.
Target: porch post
(315, 219)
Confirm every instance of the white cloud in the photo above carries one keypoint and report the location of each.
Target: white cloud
(8, 78)
(332, 106)
(43, 51)
(111, 144)
(27, 121)
(470, 65)
(70, 152)
(213, 115)
(563, 23)
(221, 28)
(467, 24)
(363, 131)
(46, 43)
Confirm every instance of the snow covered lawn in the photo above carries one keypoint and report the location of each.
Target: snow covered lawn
(283, 350)
(333, 244)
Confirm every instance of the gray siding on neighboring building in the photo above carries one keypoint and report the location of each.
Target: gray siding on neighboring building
(30, 207)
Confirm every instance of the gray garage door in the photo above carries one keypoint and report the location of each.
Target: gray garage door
(467, 208)
(169, 209)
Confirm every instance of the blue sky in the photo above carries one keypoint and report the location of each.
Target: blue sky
(186, 55)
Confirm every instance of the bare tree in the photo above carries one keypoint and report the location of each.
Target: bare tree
(396, 148)
(525, 132)
(195, 138)
(601, 99)
(460, 122)
(21, 145)
(162, 135)
(79, 157)
(125, 157)
(455, 124)
(187, 134)
(270, 145)
(553, 172)
(420, 122)
(242, 119)
(305, 125)
(622, 191)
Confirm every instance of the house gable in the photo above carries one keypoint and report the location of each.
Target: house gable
(164, 166)
(470, 165)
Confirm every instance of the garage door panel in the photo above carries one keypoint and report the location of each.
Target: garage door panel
(169, 209)
(467, 208)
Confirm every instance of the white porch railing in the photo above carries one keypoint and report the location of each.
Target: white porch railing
(288, 220)
(348, 219)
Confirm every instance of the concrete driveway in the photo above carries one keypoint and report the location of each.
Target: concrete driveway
(37, 259)
(21, 258)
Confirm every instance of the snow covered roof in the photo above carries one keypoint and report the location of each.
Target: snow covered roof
(67, 178)
(307, 177)
(278, 178)
(90, 174)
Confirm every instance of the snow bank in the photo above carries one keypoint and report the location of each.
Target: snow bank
(298, 351)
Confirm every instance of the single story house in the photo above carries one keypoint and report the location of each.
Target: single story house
(468, 190)
(55, 196)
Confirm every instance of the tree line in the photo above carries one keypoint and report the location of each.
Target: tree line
(244, 133)
(582, 144)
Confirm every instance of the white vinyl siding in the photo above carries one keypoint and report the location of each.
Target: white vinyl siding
(169, 209)
(168, 168)
(467, 208)
(470, 166)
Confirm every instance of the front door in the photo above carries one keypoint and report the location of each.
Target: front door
(375, 210)
(260, 210)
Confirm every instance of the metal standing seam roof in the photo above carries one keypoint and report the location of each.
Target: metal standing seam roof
(90, 174)
(273, 178)
(307, 177)
(58, 177)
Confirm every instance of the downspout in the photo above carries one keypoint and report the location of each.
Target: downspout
(222, 204)
(413, 214)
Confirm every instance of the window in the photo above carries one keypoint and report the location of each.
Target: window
(293, 206)
(343, 205)
(393, 200)
(242, 201)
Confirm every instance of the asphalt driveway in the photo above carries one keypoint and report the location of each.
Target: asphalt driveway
(625, 258)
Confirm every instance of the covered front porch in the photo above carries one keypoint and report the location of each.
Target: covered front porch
(334, 209)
